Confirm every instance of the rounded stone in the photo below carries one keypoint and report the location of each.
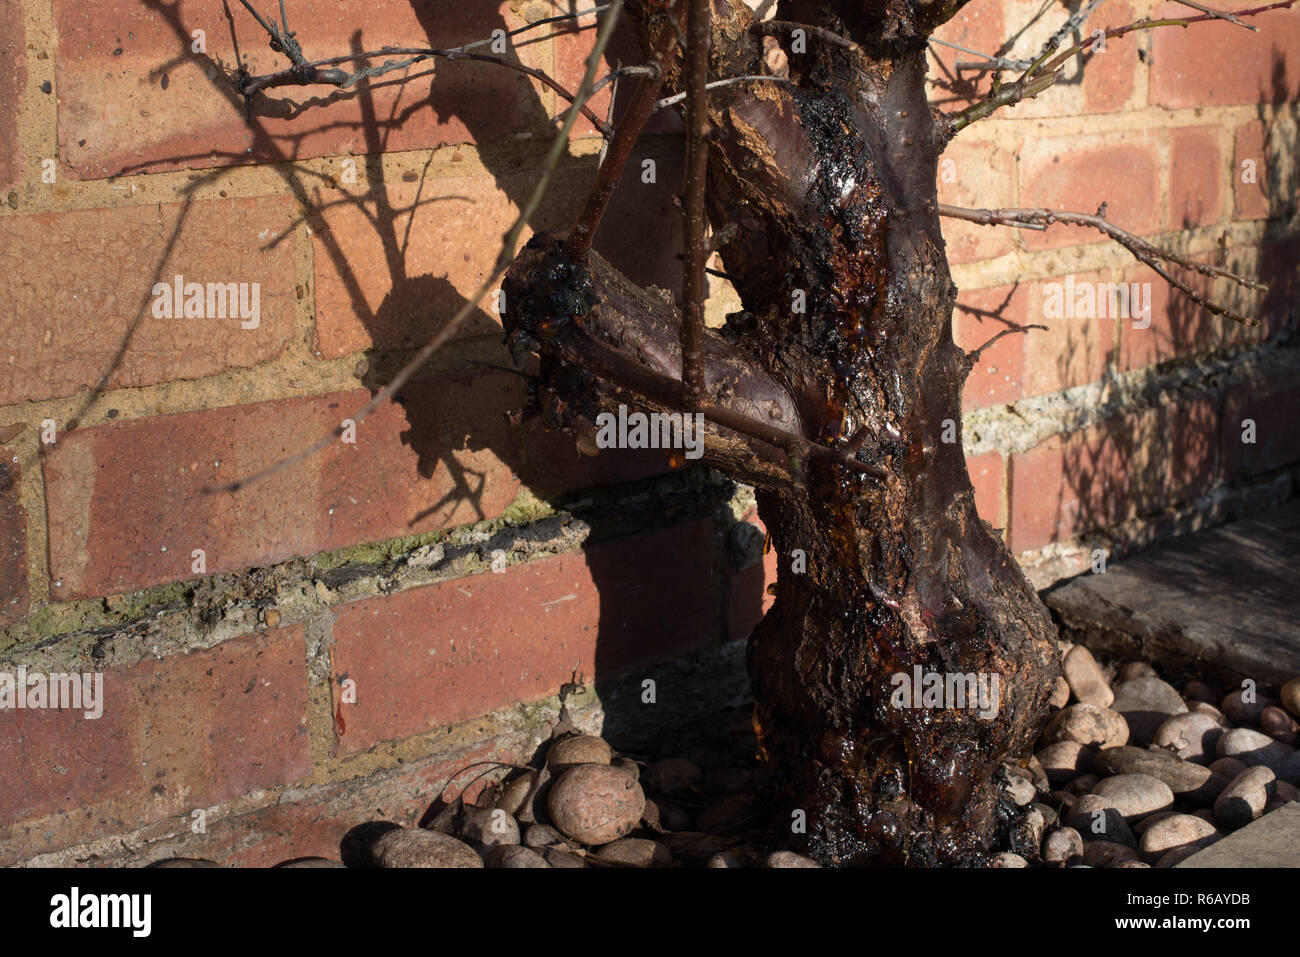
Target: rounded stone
(1096, 820)
(1290, 695)
(1087, 724)
(1135, 795)
(415, 847)
(1196, 690)
(595, 803)
(1064, 760)
(636, 852)
(1191, 736)
(1174, 831)
(1062, 845)
(1060, 695)
(487, 827)
(515, 857)
(516, 792)
(1244, 712)
(1019, 789)
(1278, 724)
(734, 857)
(539, 835)
(1176, 856)
(184, 862)
(1131, 670)
(1244, 798)
(581, 749)
(1007, 859)
(1193, 783)
(673, 776)
(788, 859)
(1107, 854)
(1146, 703)
(299, 862)
(1085, 678)
(629, 766)
(1253, 748)
(1228, 767)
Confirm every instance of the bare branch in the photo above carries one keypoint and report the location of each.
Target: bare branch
(678, 97)
(1222, 15)
(558, 147)
(973, 357)
(1141, 249)
(697, 163)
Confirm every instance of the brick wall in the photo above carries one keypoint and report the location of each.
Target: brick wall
(230, 629)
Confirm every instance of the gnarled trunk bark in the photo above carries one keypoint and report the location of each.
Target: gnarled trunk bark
(823, 191)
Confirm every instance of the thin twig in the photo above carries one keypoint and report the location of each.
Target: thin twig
(621, 145)
(697, 164)
(973, 357)
(1221, 14)
(773, 27)
(1002, 63)
(1141, 249)
(713, 85)
(558, 147)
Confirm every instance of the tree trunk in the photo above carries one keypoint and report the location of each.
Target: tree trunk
(822, 194)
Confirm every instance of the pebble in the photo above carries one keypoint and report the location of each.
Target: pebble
(357, 846)
(1253, 748)
(595, 803)
(1085, 678)
(788, 859)
(628, 766)
(1132, 864)
(1095, 820)
(1176, 830)
(417, 847)
(732, 857)
(1132, 670)
(1244, 798)
(1019, 789)
(539, 835)
(672, 816)
(1027, 833)
(1060, 695)
(1008, 859)
(1200, 691)
(673, 776)
(1194, 783)
(1204, 707)
(1243, 712)
(1065, 760)
(1050, 815)
(1061, 845)
(1279, 725)
(298, 862)
(1082, 784)
(1290, 695)
(516, 792)
(1228, 767)
(1087, 724)
(1135, 795)
(730, 812)
(1146, 703)
(514, 857)
(636, 852)
(1107, 854)
(487, 827)
(558, 858)
(1176, 856)
(1191, 736)
(580, 749)
(184, 862)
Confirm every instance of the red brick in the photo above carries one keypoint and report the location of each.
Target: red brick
(1272, 405)
(80, 281)
(1081, 172)
(1195, 177)
(13, 540)
(1251, 199)
(977, 26)
(986, 477)
(1127, 466)
(13, 80)
(975, 173)
(980, 315)
(1109, 77)
(178, 733)
(126, 506)
(1072, 350)
(438, 654)
(1219, 64)
(1178, 327)
(115, 114)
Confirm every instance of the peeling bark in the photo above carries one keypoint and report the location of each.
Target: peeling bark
(827, 185)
